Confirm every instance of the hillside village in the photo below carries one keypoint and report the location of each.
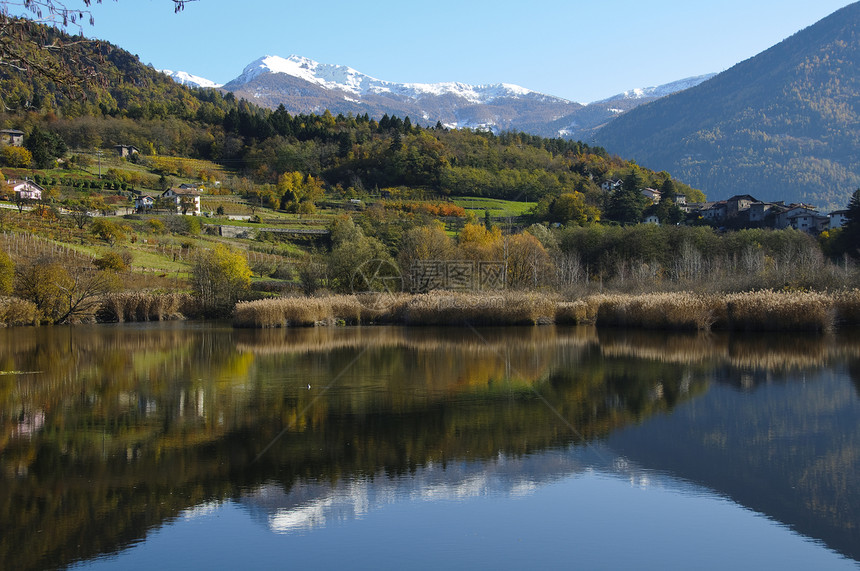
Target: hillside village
(746, 211)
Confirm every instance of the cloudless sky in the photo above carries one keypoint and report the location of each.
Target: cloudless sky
(579, 50)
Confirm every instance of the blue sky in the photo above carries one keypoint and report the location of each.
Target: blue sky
(580, 50)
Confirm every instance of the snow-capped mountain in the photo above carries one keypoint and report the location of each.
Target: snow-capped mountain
(660, 90)
(303, 85)
(185, 78)
(346, 79)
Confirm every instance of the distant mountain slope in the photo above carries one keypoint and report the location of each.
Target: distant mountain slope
(302, 85)
(783, 125)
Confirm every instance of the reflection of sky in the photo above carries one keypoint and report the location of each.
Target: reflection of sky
(576, 513)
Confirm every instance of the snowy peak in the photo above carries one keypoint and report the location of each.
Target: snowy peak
(660, 90)
(184, 78)
(343, 78)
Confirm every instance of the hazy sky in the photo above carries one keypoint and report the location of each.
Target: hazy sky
(579, 50)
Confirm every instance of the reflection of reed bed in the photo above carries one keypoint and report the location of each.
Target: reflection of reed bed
(324, 339)
(678, 348)
(60, 344)
(144, 306)
(772, 352)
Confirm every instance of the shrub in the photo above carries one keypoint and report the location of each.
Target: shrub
(15, 311)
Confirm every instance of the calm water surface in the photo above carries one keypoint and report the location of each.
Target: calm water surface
(198, 446)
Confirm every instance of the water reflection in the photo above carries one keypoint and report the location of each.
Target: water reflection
(107, 432)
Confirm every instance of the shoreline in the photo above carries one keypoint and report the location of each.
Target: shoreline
(763, 310)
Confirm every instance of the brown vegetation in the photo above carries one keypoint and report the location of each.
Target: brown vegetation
(144, 306)
(765, 310)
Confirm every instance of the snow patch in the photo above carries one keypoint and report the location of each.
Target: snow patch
(185, 78)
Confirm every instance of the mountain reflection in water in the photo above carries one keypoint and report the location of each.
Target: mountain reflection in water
(107, 433)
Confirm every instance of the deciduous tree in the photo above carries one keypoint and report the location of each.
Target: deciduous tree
(220, 276)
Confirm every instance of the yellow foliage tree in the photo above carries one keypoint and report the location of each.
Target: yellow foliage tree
(478, 243)
(220, 276)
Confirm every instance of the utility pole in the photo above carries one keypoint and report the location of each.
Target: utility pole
(99, 155)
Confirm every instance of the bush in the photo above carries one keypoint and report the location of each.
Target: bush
(15, 311)
(113, 261)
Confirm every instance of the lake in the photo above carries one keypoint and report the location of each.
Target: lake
(177, 445)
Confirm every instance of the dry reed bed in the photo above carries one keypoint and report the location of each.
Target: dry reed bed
(438, 308)
(765, 310)
(144, 306)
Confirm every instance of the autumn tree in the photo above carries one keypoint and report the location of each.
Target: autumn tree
(352, 249)
(109, 231)
(62, 293)
(220, 277)
(423, 243)
(527, 262)
(17, 157)
(476, 242)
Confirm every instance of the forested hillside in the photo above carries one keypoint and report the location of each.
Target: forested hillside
(132, 104)
(784, 125)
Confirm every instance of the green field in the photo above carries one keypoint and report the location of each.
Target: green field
(497, 207)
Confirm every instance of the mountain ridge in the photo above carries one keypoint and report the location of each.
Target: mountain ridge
(303, 85)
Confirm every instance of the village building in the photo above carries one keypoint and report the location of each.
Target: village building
(144, 203)
(651, 194)
(610, 185)
(838, 218)
(809, 221)
(12, 137)
(25, 189)
(126, 151)
(185, 200)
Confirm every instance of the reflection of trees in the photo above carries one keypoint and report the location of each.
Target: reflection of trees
(126, 426)
(854, 372)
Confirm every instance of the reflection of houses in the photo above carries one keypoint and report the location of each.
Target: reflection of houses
(12, 137)
(25, 189)
(186, 200)
(144, 202)
(126, 150)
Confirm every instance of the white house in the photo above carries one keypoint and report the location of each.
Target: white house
(651, 194)
(186, 200)
(838, 218)
(807, 220)
(12, 137)
(609, 185)
(144, 202)
(25, 189)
